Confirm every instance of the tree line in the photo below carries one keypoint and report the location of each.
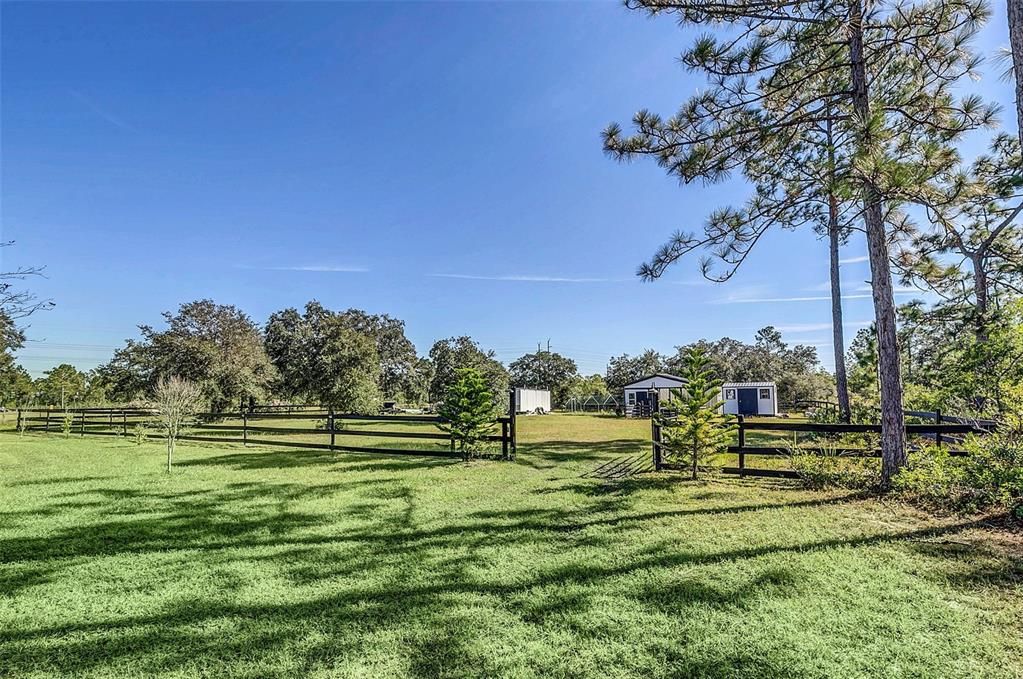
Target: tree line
(354, 361)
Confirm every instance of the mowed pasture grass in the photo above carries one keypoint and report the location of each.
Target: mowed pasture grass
(256, 562)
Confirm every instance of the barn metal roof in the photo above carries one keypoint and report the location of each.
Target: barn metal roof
(748, 384)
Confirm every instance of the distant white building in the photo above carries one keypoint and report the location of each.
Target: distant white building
(532, 400)
(749, 398)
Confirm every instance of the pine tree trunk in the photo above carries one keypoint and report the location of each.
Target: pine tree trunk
(695, 448)
(834, 241)
(1016, 45)
(837, 331)
(980, 292)
(893, 432)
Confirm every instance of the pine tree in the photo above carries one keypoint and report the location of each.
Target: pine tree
(883, 77)
(699, 430)
(468, 411)
(1015, 17)
(975, 249)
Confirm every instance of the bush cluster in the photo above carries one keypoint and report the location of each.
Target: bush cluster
(989, 476)
(824, 467)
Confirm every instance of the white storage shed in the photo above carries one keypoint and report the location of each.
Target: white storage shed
(749, 398)
(644, 396)
(532, 400)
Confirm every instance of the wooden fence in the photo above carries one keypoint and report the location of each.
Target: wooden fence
(939, 433)
(335, 431)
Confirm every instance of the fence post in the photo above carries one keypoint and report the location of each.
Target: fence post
(124, 423)
(81, 424)
(245, 428)
(513, 443)
(504, 439)
(330, 425)
(655, 438)
(937, 432)
(742, 446)
(47, 419)
(19, 419)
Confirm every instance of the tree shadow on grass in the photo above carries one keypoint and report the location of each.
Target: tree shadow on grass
(436, 585)
(551, 454)
(53, 480)
(977, 562)
(676, 597)
(211, 519)
(440, 635)
(289, 459)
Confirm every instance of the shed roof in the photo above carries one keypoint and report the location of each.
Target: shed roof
(732, 385)
(676, 378)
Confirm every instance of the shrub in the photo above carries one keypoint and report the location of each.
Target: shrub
(825, 467)
(990, 475)
(469, 412)
(860, 412)
(66, 422)
(141, 433)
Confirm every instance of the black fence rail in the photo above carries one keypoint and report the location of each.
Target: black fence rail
(329, 430)
(809, 404)
(939, 433)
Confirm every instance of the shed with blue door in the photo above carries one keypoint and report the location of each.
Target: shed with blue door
(749, 398)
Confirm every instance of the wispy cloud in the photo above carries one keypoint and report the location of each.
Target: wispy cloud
(99, 111)
(854, 260)
(825, 286)
(898, 291)
(314, 268)
(528, 279)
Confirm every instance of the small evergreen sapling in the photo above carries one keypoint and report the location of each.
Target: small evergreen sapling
(468, 411)
(141, 434)
(66, 422)
(699, 430)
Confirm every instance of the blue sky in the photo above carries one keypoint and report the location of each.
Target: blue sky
(440, 162)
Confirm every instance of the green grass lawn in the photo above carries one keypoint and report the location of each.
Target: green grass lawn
(276, 562)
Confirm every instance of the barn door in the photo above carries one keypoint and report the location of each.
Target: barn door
(748, 402)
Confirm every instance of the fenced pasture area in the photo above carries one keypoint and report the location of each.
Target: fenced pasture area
(291, 426)
(282, 562)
